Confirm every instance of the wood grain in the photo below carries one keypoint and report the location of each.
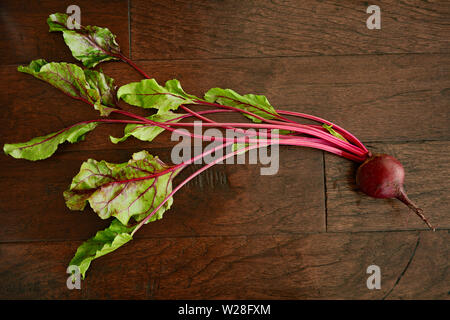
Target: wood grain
(25, 34)
(228, 29)
(427, 168)
(315, 266)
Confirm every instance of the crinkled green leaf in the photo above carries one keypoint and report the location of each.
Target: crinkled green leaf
(67, 77)
(122, 190)
(57, 21)
(43, 147)
(104, 85)
(104, 242)
(333, 132)
(147, 132)
(256, 104)
(149, 94)
(91, 45)
(93, 86)
(34, 67)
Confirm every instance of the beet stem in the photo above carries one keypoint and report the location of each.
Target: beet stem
(403, 197)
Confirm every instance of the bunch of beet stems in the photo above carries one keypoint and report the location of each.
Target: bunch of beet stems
(305, 135)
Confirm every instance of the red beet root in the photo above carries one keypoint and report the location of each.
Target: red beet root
(382, 176)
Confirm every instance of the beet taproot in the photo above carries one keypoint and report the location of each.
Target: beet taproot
(382, 176)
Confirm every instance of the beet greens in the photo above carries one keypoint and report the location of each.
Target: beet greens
(140, 190)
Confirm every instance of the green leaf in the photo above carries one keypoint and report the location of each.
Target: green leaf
(146, 132)
(122, 190)
(91, 86)
(67, 77)
(57, 22)
(43, 147)
(256, 104)
(149, 94)
(103, 85)
(34, 67)
(333, 132)
(91, 45)
(104, 242)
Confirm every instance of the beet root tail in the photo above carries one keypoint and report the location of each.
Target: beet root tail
(403, 197)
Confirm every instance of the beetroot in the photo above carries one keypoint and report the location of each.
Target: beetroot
(141, 189)
(382, 176)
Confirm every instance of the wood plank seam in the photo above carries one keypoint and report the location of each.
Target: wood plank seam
(325, 196)
(129, 29)
(297, 56)
(234, 235)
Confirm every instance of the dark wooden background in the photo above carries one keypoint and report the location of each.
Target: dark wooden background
(305, 233)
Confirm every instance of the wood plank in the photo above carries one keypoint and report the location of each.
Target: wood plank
(25, 35)
(232, 233)
(378, 98)
(232, 28)
(413, 265)
(427, 168)
(227, 199)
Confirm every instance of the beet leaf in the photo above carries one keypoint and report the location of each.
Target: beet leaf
(147, 132)
(104, 242)
(148, 93)
(89, 86)
(125, 190)
(43, 147)
(91, 45)
(256, 104)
